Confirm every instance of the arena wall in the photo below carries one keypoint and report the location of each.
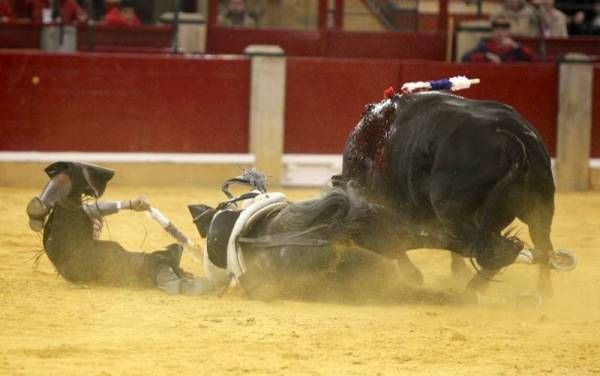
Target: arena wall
(123, 103)
(325, 97)
(196, 106)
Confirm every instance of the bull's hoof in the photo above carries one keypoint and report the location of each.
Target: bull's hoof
(563, 260)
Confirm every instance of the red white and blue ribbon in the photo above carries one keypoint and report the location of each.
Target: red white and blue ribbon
(452, 84)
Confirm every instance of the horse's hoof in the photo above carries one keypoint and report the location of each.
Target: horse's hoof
(563, 260)
(470, 297)
(408, 273)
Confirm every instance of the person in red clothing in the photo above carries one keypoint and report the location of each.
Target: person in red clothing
(499, 48)
(70, 11)
(6, 13)
(123, 15)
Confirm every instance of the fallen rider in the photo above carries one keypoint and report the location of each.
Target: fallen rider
(71, 226)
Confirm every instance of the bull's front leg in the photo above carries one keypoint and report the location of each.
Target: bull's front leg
(544, 249)
(539, 221)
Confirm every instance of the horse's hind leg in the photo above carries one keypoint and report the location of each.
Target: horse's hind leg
(407, 270)
(458, 266)
(365, 274)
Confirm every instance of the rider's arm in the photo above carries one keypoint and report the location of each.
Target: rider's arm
(102, 208)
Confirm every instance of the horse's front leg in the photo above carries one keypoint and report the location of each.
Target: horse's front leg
(478, 284)
(407, 270)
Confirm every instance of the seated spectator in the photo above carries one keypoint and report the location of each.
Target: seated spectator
(595, 24)
(123, 15)
(554, 22)
(499, 48)
(95, 8)
(235, 14)
(580, 14)
(6, 13)
(522, 17)
(69, 10)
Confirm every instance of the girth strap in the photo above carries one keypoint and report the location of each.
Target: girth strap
(287, 238)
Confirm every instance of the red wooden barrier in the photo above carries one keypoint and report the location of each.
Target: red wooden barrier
(20, 35)
(115, 38)
(231, 40)
(560, 46)
(425, 45)
(331, 43)
(325, 97)
(596, 113)
(118, 103)
(101, 102)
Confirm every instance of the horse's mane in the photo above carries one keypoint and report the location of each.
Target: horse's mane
(340, 213)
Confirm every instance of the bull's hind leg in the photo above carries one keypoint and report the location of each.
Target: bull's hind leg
(539, 222)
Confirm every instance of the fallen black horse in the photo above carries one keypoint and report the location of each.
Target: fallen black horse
(455, 172)
(276, 248)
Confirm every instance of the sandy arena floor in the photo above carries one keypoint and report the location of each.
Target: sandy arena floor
(50, 327)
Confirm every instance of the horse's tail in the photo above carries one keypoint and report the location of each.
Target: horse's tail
(339, 213)
(517, 154)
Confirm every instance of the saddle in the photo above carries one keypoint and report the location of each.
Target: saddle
(217, 225)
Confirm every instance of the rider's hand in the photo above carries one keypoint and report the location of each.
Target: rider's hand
(140, 203)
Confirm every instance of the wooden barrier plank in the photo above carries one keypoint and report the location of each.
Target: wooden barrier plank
(574, 124)
(595, 138)
(111, 102)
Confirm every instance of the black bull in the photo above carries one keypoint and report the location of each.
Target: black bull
(456, 172)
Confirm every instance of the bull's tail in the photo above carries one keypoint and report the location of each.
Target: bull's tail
(496, 253)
